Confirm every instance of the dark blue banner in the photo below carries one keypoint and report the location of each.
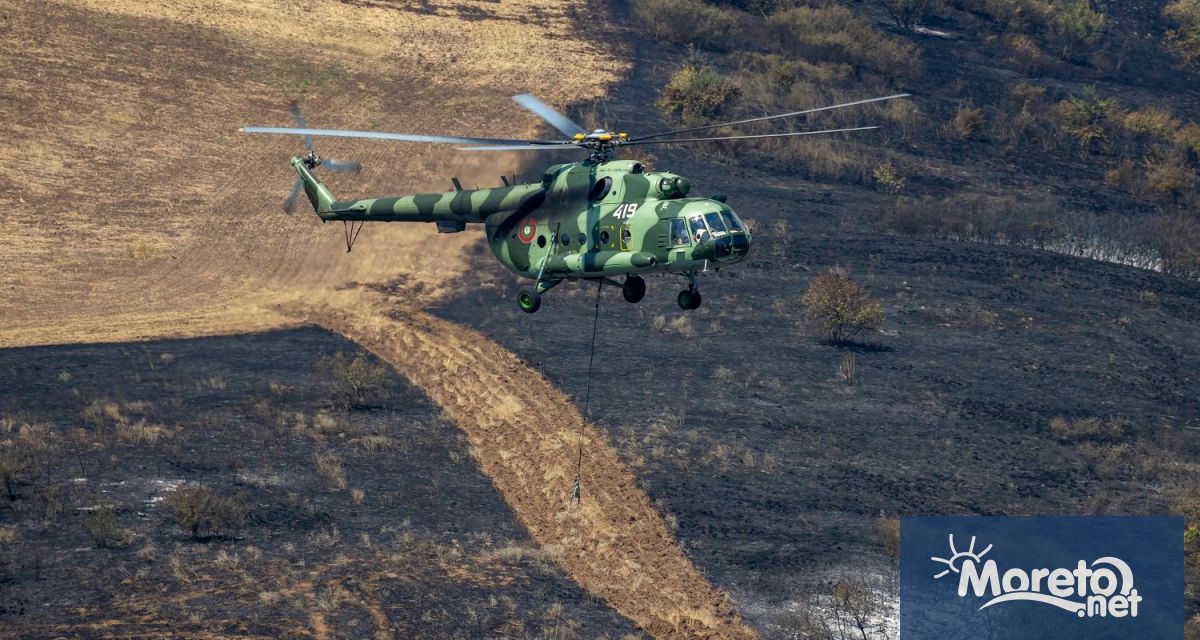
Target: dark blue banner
(1024, 578)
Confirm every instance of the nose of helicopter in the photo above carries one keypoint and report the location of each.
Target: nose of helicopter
(726, 249)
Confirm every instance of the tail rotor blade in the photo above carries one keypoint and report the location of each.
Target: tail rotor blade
(299, 116)
(342, 165)
(290, 204)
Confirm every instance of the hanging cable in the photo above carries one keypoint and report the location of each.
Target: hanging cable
(587, 396)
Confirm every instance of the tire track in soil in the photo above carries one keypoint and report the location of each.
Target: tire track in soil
(523, 432)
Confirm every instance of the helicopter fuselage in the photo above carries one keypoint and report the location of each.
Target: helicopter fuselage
(614, 218)
(583, 220)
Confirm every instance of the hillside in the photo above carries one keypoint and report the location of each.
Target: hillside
(167, 325)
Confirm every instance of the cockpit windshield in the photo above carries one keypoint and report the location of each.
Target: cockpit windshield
(731, 221)
(715, 224)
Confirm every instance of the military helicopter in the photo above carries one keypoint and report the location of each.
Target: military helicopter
(594, 220)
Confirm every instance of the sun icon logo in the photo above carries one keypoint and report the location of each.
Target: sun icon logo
(957, 558)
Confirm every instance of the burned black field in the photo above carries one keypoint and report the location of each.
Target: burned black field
(778, 469)
(376, 522)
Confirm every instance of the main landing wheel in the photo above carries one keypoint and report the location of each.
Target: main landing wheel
(689, 299)
(529, 300)
(634, 289)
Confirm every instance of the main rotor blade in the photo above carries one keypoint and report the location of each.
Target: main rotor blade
(299, 116)
(761, 135)
(544, 111)
(384, 135)
(520, 147)
(760, 119)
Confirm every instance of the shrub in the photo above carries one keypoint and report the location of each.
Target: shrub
(351, 382)
(1092, 429)
(1025, 52)
(1188, 137)
(1084, 116)
(1153, 121)
(14, 466)
(103, 527)
(685, 21)
(330, 468)
(697, 93)
(841, 307)
(1078, 24)
(1168, 175)
(1184, 41)
(1178, 240)
(969, 120)
(887, 178)
(197, 508)
(906, 13)
(835, 34)
(888, 531)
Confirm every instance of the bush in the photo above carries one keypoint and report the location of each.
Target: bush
(1184, 41)
(841, 307)
(351, 382)
(1091, 429)
(835, 34)
(969, 120)
(697, 93)
(907, 13)
(1156, 122)
(1078, 24)
(13, 468)
(330, 468)
(1168, 175)
(197, 508)
(1084, 116)
(1188, 138)
(888, 531)
(102, 525)
(1025, 52)
(1178, 240)
(685, 21)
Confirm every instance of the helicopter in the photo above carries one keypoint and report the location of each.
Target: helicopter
(598, 219)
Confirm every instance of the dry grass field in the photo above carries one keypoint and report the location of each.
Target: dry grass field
(131, 209)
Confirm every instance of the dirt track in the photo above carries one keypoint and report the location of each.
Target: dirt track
(192, 244)
(524, 433)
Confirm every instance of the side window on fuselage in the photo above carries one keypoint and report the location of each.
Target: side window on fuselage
(679, 234)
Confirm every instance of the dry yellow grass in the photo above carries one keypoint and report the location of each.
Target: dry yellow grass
(130, 209)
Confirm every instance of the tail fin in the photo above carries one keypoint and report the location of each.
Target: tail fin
(318, 194)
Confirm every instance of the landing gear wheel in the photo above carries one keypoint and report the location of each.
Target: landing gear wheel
(689, 299)
(529, 300)
(634, 289)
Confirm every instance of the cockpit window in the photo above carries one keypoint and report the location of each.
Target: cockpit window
(731, 221)
(714, 223)
(699, 229)
(679, 234)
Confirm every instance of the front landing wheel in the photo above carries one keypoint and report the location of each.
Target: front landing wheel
(529, 300)
(689, 299)
(634, 289)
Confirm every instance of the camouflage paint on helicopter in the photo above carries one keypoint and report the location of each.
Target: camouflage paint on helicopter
(598, 219)
(583, 220)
